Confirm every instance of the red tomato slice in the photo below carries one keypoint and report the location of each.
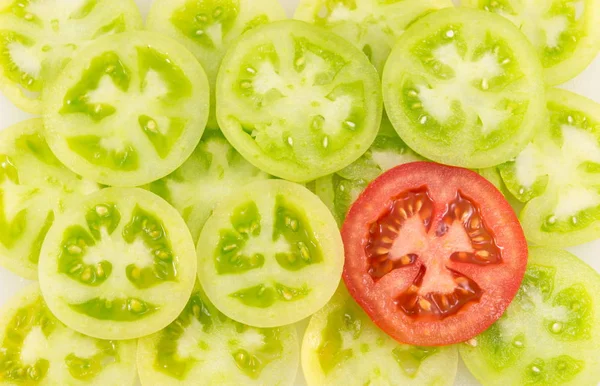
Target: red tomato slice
(434, 254)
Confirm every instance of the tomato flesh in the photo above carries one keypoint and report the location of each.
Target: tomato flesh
(434, 254)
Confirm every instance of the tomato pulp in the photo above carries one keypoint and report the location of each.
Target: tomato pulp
(434, 254)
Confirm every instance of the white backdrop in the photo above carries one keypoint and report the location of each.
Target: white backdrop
(588, 84)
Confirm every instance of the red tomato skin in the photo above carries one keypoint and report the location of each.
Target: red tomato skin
(500, 283)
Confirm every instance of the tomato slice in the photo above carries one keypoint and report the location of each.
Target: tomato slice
(342, 346)
(550, 334)
(118, 265)
(270, 254)
(209, 27)
(37, 38)
(202, 343)
(557, 175)
(128, 109)
(373, 26)
(297, 101)
(463, 87)
(565, 33)
(37, 349)
(434, 254)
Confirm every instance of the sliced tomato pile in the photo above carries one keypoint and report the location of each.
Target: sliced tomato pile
(434, 254)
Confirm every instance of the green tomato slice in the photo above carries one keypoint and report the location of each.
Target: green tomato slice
(339, 190)
(128, 109)
(202, 343)
(37, 349)
(297, 101)
(270, 255)
(342, 346)
(550, 334)
(34, 188)
(373, 26)
(214, 171)
(209, 27)
(558, 174)
(38, 37)
(564, 33)
(463, 87)
(119, 265)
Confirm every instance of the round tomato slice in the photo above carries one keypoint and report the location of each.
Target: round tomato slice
(464, 87)
(565, 33)
(37, 349)
(550, 334)
(119, 265)
(297, 101)
(434, 254)
(128, 109)
(270, 254)
(202, 343)
(208, 28)
(557, 175)
(37, 38)
(342, 346)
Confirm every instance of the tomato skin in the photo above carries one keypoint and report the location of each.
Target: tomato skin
(500, 282)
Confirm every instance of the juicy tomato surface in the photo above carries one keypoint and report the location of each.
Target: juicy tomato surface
(339, 190)
(373, 26)
(128, 109)
(558, 174)
(550, 334)
(297, 101)
(434, 254)
(343, 347)
(270, 254)
(209, 27)
(37, 349)
(34, 188)
(464, 87)
(202, 343)
(214, 171)
(119, 265)
(565, 33)
(38, 37)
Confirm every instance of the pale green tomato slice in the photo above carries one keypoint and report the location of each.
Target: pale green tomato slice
(34, 188)
(119, 265)
(297, 101)
(373, 26)
(558, 174)
(128, 109)
(464, 87)
(339, 190)
(214, 171)
(203, 344)
(270, 254)
(342, 346)
(38, 37)
(565, 33)
(37, 349)
(550, 334)
(209, 27)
